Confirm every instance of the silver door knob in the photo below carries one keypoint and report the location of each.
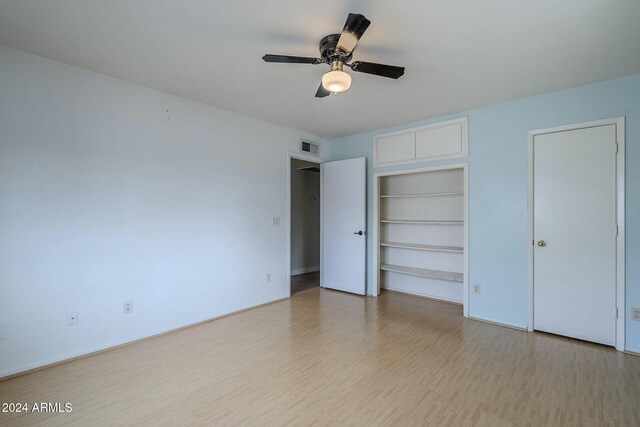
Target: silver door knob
(542, 243)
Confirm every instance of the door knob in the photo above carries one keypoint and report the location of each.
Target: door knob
(542, 243)
(359, 233)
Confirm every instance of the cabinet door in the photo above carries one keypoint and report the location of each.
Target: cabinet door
(442, 140)
(446, 140)
(395, 148)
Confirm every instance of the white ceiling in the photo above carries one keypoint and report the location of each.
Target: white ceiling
(458, 54)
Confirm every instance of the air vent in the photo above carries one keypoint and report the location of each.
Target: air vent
(310, 147)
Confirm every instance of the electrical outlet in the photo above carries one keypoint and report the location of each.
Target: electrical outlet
(635, 313)
(268, 277)
(476, 288)
(128, 307)
(3, 331)
(72, 318)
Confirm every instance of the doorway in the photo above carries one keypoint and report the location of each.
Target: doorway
(305, 225)
(577, 231)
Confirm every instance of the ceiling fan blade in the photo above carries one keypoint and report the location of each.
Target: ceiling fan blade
(322, 92)
(353, 29)
(390, 71)
(290, 59)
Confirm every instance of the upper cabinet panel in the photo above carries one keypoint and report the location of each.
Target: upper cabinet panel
(438, 141)
(445, 140)
(396, 148)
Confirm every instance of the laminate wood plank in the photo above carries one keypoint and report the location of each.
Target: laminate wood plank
(330, 358)
(304, 282)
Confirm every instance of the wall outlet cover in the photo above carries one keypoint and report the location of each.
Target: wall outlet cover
(128, 307)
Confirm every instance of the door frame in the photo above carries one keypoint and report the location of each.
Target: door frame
(376, 225)
(619, 122)
(309, 158)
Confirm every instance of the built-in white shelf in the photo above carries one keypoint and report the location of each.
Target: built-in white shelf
(421, 247)
(397, 196)
(419, 217)
(422, 221)
(423, 272)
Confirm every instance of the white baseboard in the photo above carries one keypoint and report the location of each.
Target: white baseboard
(634, 351)
(304, 270)
(511, 325)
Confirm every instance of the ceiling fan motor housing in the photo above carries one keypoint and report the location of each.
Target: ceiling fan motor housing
(329, 52)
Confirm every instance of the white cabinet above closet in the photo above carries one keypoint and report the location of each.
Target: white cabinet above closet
(442, 140)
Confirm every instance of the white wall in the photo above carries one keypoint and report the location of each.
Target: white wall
(110, 192)
(305, 221)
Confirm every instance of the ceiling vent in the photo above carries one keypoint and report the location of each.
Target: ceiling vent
(310, 147)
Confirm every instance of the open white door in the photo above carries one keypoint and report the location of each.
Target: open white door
(344, 220)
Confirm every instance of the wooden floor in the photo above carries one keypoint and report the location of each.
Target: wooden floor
(330, 358)
(304, 282)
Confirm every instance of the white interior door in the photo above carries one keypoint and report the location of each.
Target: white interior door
(344, 225)
(575, 233)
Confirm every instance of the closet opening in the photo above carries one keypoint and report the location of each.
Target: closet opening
(421, 233)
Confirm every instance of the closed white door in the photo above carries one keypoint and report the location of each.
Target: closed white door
(344, 225)
(575, 233)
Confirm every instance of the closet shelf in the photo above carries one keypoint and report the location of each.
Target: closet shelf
(395, 196)
(421, 247)
(422, 221)
(423, 272)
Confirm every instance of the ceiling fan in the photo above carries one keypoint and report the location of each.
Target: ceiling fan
(337, 50)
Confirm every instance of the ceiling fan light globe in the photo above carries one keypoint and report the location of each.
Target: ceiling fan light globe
(336, 81)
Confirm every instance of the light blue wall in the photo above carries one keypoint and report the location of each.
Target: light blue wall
(498, 190)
